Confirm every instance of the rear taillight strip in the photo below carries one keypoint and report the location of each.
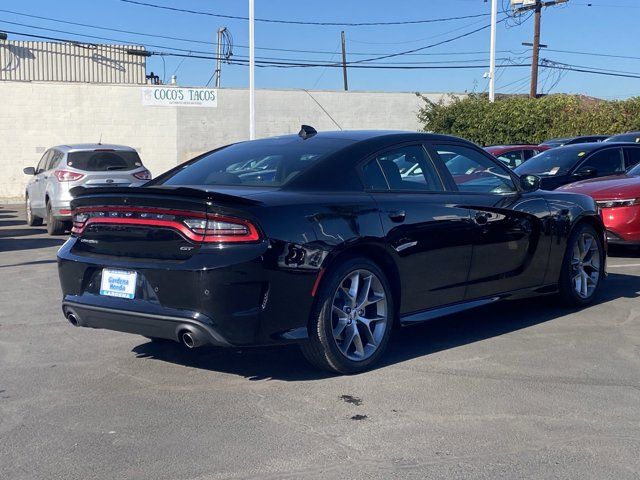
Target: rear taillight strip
(178, 225)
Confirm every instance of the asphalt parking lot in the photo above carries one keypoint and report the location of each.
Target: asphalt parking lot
(518, 390)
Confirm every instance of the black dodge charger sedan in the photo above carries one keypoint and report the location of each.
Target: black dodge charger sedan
(338, 239)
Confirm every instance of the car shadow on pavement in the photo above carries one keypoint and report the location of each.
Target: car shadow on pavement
(287, 363)
(17, 244)
(623, 251)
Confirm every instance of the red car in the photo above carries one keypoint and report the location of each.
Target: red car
(618, 197)
(515, 155)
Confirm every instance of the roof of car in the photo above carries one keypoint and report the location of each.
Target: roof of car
(83, 147)
(515, 146)
(367, 135)
(592, 146)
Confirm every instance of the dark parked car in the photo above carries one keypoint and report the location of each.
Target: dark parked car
(559, 142)
(571, 163)
(330, 253)
(625, 137)
(515, 155)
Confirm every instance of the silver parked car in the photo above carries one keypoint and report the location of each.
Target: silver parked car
(66, 166)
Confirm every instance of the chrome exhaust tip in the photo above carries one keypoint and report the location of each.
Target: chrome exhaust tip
(189, 340)
(73, 320)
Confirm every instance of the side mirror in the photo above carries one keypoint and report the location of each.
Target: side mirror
(530, 183)
(586, 172)
(29, 171)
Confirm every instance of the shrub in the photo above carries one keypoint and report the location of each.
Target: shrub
(518, 119)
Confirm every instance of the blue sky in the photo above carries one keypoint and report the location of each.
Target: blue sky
(609, 27)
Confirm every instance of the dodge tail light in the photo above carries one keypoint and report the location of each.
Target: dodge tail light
(67, 176)
(223, 229)
(196, 226)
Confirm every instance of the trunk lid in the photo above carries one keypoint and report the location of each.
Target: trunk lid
(146, 222)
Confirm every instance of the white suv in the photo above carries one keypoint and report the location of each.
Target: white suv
(66, 166)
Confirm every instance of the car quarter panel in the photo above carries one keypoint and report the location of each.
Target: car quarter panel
(567, 210)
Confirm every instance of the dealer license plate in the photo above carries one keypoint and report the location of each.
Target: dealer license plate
(118, 283)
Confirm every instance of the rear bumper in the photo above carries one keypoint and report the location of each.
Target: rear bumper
(61, 209)
(165, 326)
(229, 294)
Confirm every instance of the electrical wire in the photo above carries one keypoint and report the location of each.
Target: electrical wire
(300, 22)
(204, 42)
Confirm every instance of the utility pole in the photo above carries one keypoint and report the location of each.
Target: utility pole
(535, 58)
(344, 63)
(252, 69)
(492, 55)
(218, 71)
(537, 7)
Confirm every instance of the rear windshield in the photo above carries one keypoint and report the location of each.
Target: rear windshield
(556, 161)
(271, 162)
(104, 160)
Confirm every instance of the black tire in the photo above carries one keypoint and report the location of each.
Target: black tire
(32, 220)
(54, 226)
(568, 292)
(321, 349)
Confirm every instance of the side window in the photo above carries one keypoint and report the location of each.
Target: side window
(405, 168)
(530, 153)
(54, 159)
(632, 157)
(373, 177)
(473, 172)
(511, 159)
(606, 162)
(42, 164)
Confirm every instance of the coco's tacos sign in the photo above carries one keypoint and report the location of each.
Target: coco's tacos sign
(179, 97)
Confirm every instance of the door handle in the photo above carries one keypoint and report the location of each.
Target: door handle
(397, 215)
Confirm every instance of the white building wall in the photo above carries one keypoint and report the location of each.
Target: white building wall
(35, 116)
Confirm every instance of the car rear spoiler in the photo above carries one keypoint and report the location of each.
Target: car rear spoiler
(184, 192)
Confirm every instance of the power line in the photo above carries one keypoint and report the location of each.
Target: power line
(273, 64)
(204, 42)
(301, 22)
(191, 51)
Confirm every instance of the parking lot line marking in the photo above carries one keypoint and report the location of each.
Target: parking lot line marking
(624, 265)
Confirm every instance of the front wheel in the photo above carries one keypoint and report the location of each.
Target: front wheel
(352, 319)
(32, 220)
(583, 266)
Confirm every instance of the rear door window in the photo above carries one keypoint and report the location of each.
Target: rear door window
(54, 159)
(405, 169)
(632, 157)
(104, 160)
(606, 162)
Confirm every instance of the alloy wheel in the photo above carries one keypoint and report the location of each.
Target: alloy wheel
(359, 315)
(585, 265)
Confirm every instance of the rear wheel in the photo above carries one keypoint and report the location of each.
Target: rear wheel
(32, 220)
(583, 266)
(352, 319)
(54, 226)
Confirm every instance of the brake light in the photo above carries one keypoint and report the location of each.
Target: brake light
(223, 229)
(196, 226)
(67, 176)
(143, 175)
